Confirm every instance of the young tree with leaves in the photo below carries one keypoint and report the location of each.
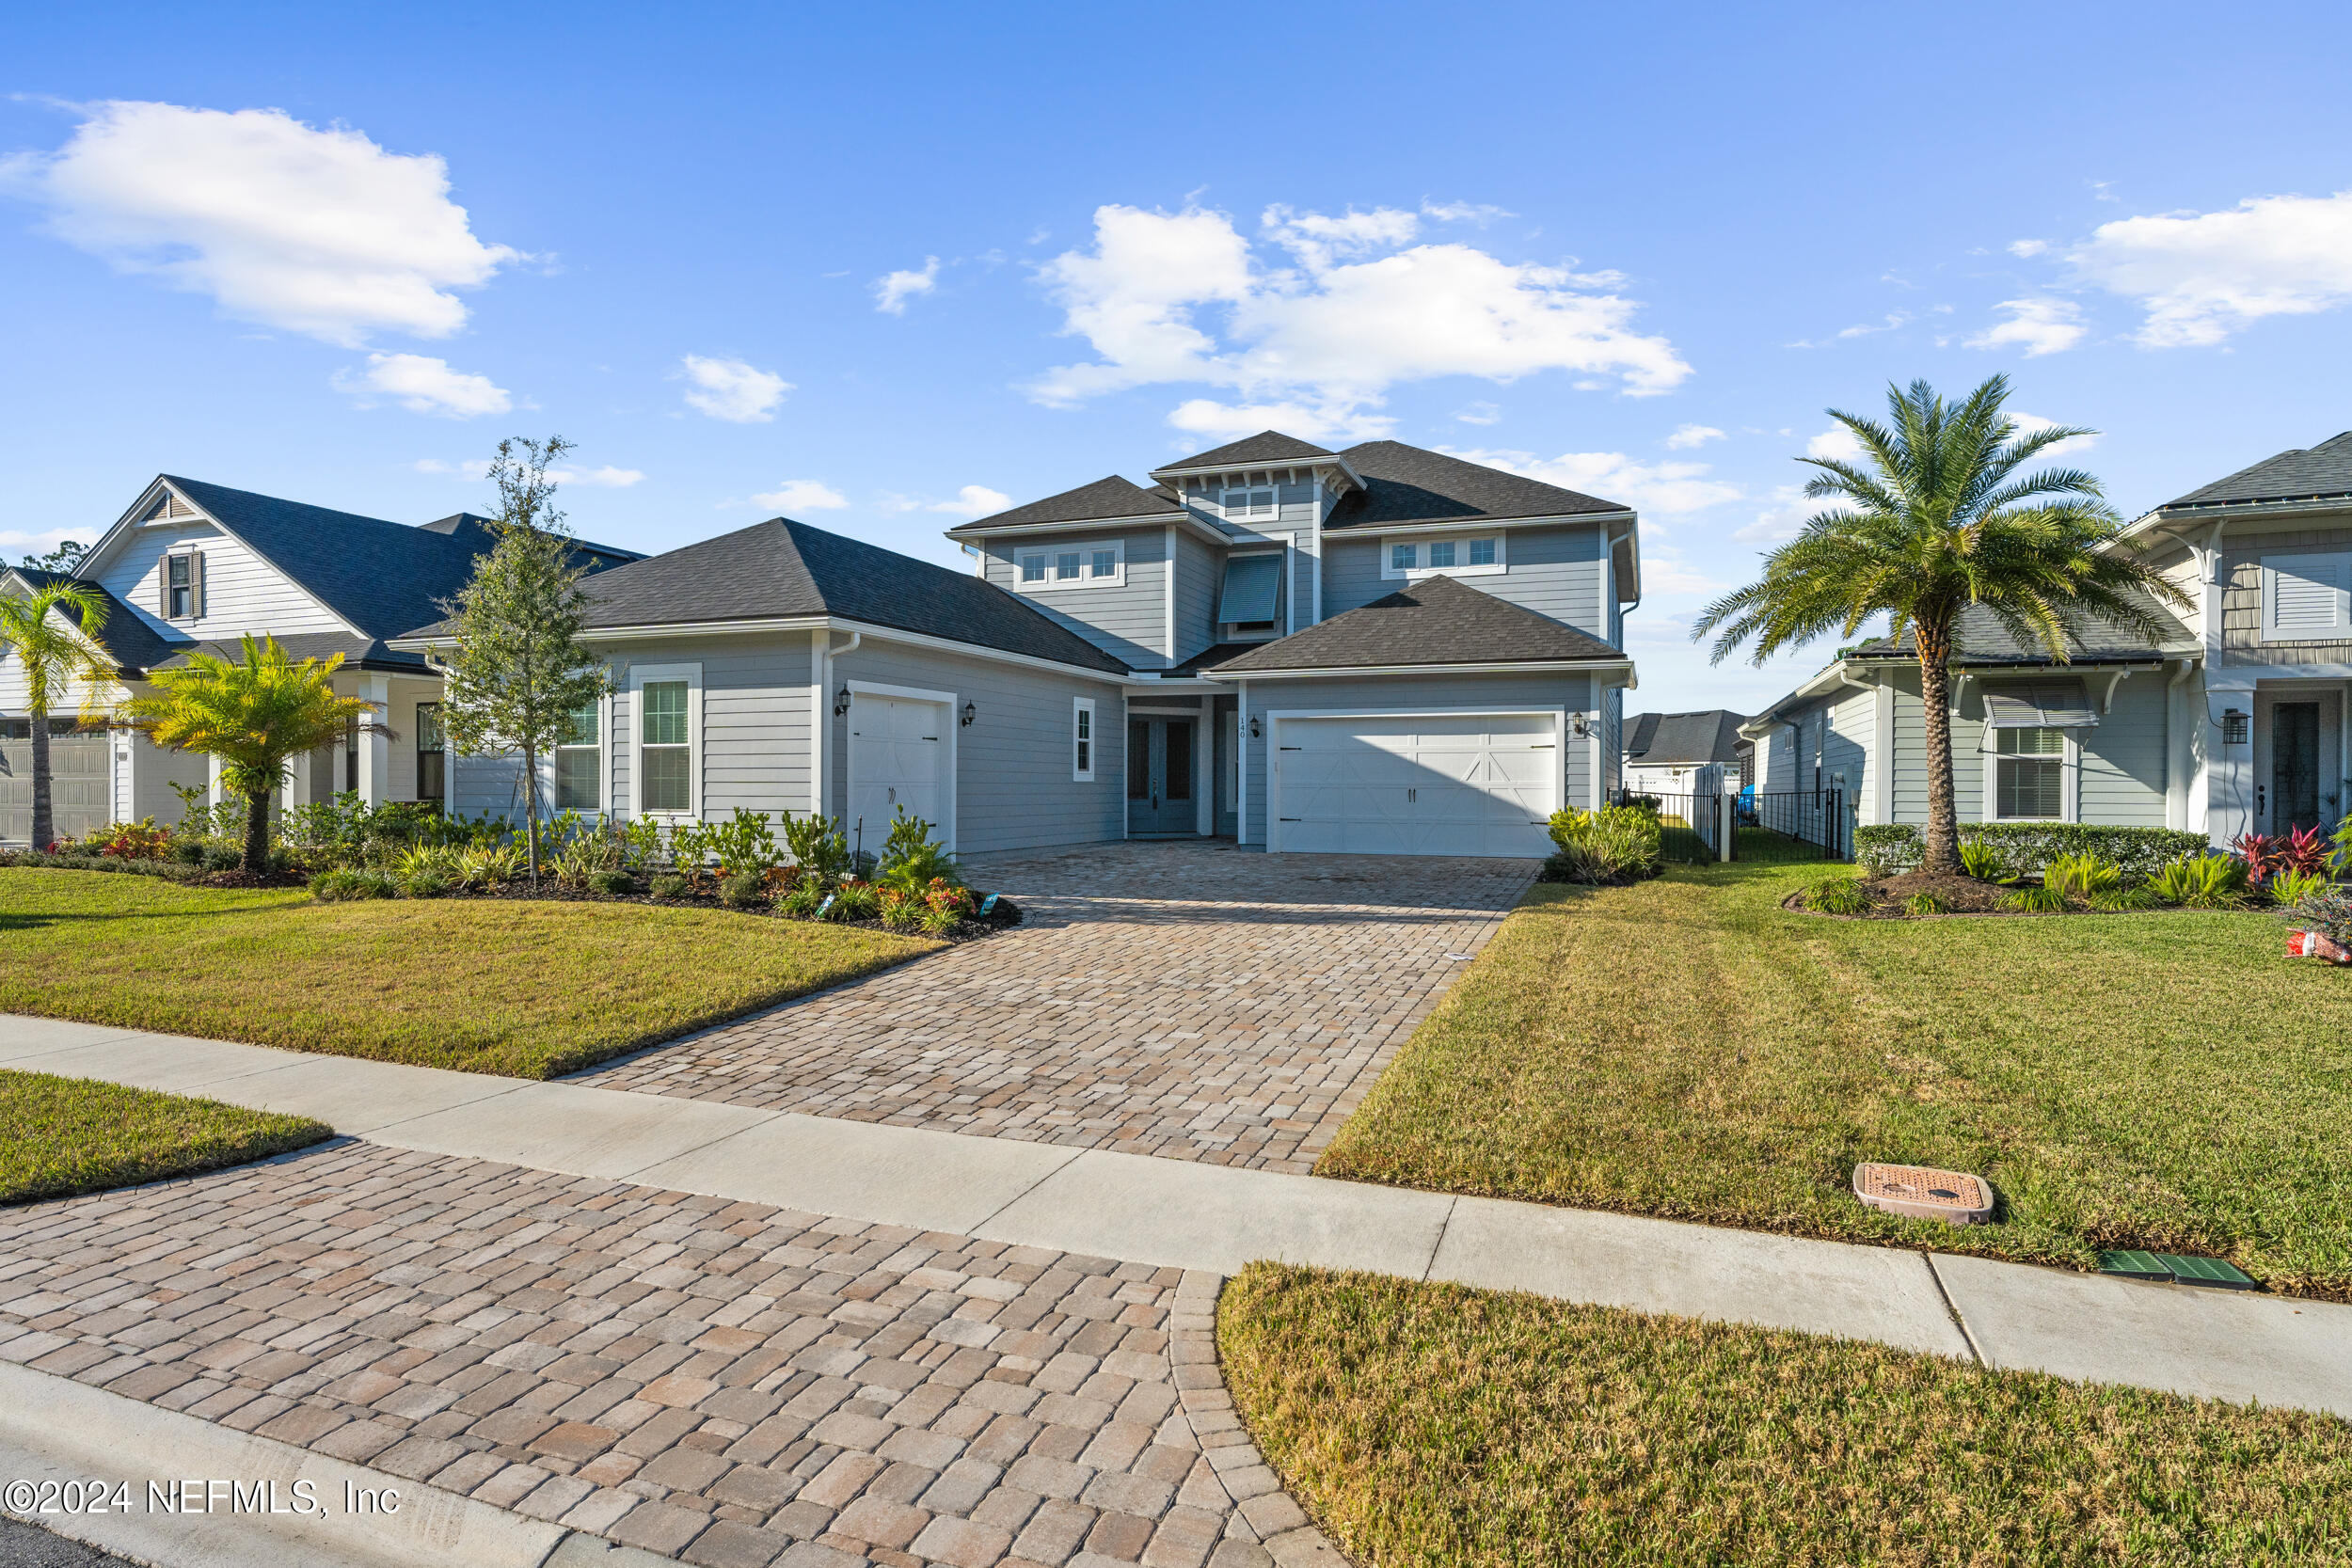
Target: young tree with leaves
(517, 671)
(256, 712)
(50, 632)
(1933, 518)
(59, 560)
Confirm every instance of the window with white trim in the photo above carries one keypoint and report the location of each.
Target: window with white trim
(184, 585)
(1082, 739)
(2029, 775)
(1260, 503)
(665, 747)
(1085, 565)
(2306, 599)
(579, 760)
(1458, 556)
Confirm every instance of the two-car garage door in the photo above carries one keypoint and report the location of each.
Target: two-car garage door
(1456, 783)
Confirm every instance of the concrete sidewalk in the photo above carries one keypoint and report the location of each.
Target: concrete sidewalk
(1191, 1215)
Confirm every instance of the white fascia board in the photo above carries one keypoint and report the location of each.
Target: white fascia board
(1091, 525)
(973, 650)
(1211, 470)
(1474, 525)
(1564, 666)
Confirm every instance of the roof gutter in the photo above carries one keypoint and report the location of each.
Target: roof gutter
(1514, 667)
(969, 532)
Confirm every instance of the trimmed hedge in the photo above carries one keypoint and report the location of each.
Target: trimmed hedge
(1891, 848)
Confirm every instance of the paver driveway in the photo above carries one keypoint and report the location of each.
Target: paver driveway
(1186, 1000)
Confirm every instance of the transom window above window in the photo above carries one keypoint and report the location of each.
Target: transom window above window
(1071, 567)
(1478, 557)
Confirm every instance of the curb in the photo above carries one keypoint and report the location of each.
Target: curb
(55, 1430)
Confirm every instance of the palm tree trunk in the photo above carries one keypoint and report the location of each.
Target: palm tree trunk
(256, 834)
(44, 809)
(1935, 701)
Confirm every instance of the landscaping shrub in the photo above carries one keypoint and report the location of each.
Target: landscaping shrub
(801, 899)
(1838, 895)
(334, 887)
(129, 841)
(744, 891)
(186, 851)
(1984, 862)
(612, 883)
(1891, 848)
(690, 849)
(819, 848)
(484, 865)
(2293, 885)
(419, 884)
(2116, 900)
(2082, 877)
(743, 845)
(1614, 845)
(2034, 900)
(1925, 903)
(855, 900)
(911, 860)
(2202, 881)
(901, 910)
(671, 885)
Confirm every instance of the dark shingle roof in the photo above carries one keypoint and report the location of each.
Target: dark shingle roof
(1658, 738)
(1977, 639)
(360, 653)
(132, 643)
(1438, 621)
(1405, 484)
(482, 534)
(1267, 446)
(1208, 658)
(1107, 497)
(2302, 474)
(783, 568)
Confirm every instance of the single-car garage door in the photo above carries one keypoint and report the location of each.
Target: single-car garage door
(898, 762)
(1456, 783)
(80, 782)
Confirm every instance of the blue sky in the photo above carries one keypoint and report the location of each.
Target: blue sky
(335, 257)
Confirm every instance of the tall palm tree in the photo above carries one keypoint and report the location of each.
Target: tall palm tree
(256, 714)
(1935, 519)
(56, 656)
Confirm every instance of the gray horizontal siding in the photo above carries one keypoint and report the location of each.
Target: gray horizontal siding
(1013, 788)
(755, 729)
(1433, 693)
(1554, 571)
(1199, 576)
(1129, 622)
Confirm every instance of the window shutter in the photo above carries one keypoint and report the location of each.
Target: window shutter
(196, 585)
(2308, 594)
(163, 586)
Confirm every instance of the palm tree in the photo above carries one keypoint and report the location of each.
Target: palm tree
(256, 714)
(1935, 518)
(55, 657)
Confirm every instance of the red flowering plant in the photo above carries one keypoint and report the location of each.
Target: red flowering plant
(2264, 856)
(131, 841)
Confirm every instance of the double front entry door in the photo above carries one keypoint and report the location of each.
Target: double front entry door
(1160, 768)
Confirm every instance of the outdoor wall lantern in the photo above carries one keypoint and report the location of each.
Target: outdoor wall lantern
(841, 701)
(1257, 731)
(2233, 727)
(1581, 727)
(970, 713)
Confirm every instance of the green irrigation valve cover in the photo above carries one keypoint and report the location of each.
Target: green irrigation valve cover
(2176, 1268)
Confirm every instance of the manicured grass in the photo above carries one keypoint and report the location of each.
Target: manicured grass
(1685, 1047)
(530, 988)
(1431, 1424)
(64, 1135)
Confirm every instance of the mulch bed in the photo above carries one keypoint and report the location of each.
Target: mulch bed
(1006, 914)
(1961, 895)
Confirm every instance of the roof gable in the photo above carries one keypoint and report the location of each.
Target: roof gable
(1412, 485)
(2303, 473)
(1267, 446)
(1436, 621)
(1106, 499)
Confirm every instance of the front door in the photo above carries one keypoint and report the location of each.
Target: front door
(2293, 766)
(1160, 777)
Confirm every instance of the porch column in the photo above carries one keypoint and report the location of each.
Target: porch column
(2229, 772)
(122, 752)
(212, 781)
(298, 782)
(375, 750)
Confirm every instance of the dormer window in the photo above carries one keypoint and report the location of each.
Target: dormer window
(1480, 555)
(1255, 502)
(1049, 566)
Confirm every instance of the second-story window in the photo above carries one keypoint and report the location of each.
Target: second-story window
(184, 586)
(1404, 558)
(1068, 566)
(1441, 554)
(1254, 502)
(1074, 566)
(1482, 556)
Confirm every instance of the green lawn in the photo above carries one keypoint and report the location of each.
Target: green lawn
(64, 1135)
(1433, 1425)
(532, 988)
(1685, 1047)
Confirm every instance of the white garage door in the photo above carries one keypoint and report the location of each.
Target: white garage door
(1463, 784)
(897, 751)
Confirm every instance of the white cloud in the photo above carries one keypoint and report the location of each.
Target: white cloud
(1666, 572)
(731, 390)
(424, 384)
(317, 231)
(1689, 436)
(1835, 442)
(606, 478)
(1665, 489)
(803, 495)
(972, 500)
(1463, 212)
(18, 544)
(2027, 248)
(1786, 517)
(456, 470)
(1335, 421)
(2203, 275)
(893, 289)
(1479, 413)
(2038, 325)
(2028, 423)
(1175, 297)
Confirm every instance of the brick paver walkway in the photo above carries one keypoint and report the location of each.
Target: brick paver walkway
(1186, 1000)
(726, 1383)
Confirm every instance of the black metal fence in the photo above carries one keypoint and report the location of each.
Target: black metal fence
(1792, 825)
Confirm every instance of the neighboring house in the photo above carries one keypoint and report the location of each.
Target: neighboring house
(194, 566)
(1663, 750)
(2233, 720)
(1376, 650)
(1382, 650)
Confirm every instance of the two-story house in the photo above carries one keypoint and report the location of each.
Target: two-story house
(1376, 650)
(192, 566)
(2235, 721)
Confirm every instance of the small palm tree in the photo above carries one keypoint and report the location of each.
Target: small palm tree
(56, 656)
(256, 714)
(1936, 519)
